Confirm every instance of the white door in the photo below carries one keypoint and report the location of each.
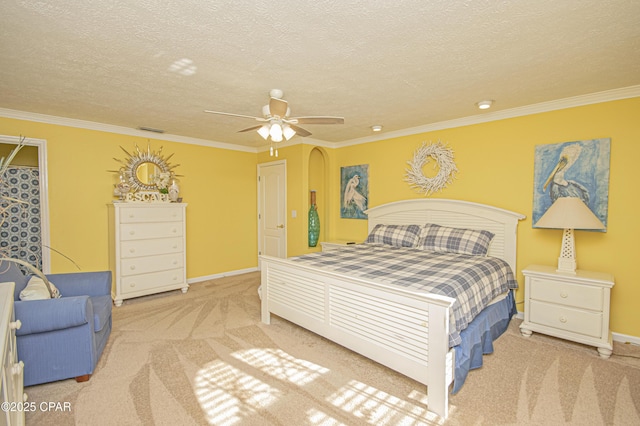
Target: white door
(272, 209)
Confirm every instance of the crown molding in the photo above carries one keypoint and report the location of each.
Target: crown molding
(576, 101)
(110, 128)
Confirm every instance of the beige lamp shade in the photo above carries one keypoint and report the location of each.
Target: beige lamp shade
(569, 213)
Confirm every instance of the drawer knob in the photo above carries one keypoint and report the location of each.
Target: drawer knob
(132, 232)
(564, 294)
(132, 267)
(132, 285)
(15, 325)
(132, 250)
(174, 230)
(175, 262)
(563, 319)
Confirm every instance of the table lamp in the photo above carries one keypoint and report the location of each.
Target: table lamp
(569, 213)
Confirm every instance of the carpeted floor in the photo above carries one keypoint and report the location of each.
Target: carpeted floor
(205, 358)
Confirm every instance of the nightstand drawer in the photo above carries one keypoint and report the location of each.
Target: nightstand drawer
(580, 296)
(567, 319)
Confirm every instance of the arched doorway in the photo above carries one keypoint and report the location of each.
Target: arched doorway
(317, 181)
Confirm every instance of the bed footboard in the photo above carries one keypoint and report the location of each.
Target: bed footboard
(403, 330)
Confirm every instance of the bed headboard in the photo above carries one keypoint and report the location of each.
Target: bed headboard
(457, 214)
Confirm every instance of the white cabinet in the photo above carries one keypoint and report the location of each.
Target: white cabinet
(572, 307)
(147, 248)
(12, 372)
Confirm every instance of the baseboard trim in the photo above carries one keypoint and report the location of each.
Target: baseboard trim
(625, 338)
(222, 275)
(617, 337)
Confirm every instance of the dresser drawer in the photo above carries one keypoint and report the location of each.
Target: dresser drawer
(139, 248)
(567, 319)
(156, 280)
(140, 231)
(584, 297)
(153, 214)
(144, 265)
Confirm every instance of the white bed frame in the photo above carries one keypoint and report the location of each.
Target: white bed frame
(387, 324)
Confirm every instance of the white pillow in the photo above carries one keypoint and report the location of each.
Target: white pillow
(36, 289)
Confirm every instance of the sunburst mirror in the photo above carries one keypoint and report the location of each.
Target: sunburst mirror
(143, 170)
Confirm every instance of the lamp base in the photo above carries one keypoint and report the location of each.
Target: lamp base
(567, 259)
(566, 266)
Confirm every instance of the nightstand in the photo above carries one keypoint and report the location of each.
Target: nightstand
(572, 307)
(334, 244)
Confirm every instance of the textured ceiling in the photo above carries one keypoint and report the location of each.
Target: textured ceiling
(401, 64)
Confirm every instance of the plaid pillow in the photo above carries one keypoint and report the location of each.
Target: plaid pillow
(455, 240)
(395, 235)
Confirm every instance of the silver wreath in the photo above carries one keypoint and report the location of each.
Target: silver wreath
(442, 157)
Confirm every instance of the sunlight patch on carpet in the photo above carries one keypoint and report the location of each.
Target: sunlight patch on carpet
(227, 395)
(281, 365)
(317, 417)
(378, 407)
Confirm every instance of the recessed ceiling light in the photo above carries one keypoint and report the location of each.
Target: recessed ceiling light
(484, 104)
(376, 128)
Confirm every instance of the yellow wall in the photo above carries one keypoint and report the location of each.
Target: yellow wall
(495, 163)
(27, 156)
(218, 185)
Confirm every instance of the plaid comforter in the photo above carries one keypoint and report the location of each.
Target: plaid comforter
(473, 281)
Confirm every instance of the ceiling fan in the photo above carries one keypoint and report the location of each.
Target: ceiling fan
(277, 120)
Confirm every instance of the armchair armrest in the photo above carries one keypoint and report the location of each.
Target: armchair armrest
(40, 316)
(82, 283)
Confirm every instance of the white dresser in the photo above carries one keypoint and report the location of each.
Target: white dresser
(572, 307)
(147, 248)
(11, 385)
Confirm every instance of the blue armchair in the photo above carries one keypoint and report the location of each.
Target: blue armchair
(62, 338)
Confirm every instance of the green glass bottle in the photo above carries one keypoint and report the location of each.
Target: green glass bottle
(314, 222)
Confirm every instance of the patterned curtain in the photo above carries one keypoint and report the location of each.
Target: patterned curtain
(20, 232)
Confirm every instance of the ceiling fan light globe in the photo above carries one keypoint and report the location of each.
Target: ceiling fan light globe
(264, 131)
(288, 132)
(276, 132)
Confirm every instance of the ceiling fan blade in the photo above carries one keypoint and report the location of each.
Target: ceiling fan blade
(250, 129)
(236, 115)
(317, 120)
(300, 131)
(278, 107)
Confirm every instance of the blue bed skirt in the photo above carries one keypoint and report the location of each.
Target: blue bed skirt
(478, 337)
